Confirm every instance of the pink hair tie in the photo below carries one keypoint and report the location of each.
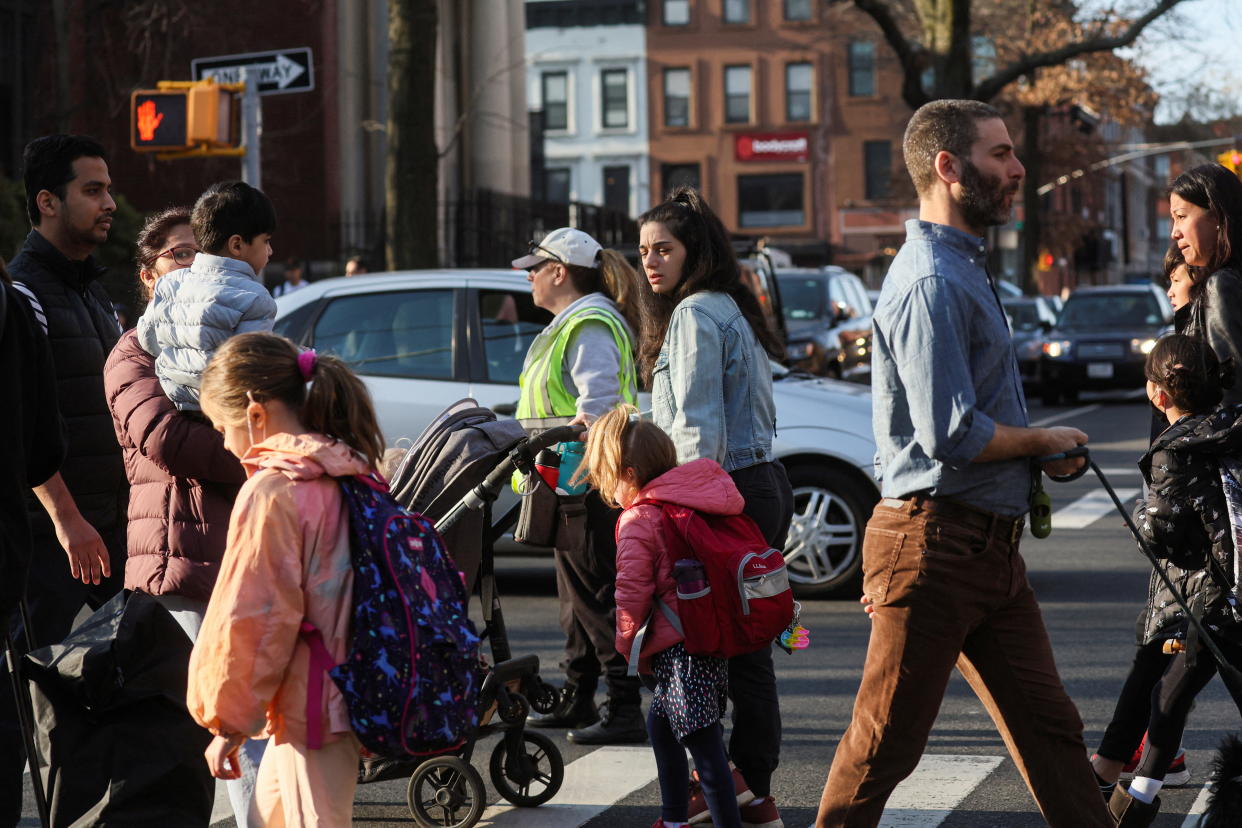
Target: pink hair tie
(306, 363)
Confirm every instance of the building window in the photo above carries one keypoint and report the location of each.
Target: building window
(982, 58)
(862, 68)
(555, 100)
(770, 200)
(737, 94)
(798, 79)
(676, 12)
(616, 93)
(677, 97)
(556, 185)
(878, 168)
(797, 10)
(737, 11)
(680, 175)
(617, 188)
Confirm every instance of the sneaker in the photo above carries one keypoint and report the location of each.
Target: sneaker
(623, 725)
(698, 803)
(763, 815)
(1176, 776)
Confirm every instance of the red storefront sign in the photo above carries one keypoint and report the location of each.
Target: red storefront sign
(782, 146)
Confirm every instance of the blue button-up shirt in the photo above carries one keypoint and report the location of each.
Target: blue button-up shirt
(944, 373)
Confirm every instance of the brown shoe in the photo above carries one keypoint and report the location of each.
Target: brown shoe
(1128, 812)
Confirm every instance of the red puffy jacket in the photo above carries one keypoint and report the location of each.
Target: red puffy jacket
(644, 564)
(182, 481)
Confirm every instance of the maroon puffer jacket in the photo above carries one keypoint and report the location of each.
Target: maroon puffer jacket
(183, 481)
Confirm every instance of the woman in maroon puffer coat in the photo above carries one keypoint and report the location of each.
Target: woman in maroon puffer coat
(182, 480)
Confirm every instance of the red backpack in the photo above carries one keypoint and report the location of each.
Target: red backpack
(733, 594)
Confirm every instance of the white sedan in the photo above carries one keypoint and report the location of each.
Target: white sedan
(422, 340)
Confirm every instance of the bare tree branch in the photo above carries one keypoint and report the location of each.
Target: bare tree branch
(912, 56)
(991, 87)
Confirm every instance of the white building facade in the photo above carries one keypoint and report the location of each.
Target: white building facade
(586, 71)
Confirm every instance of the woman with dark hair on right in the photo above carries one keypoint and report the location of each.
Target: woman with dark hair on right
(707, 355)
(1205, 204)
(182, 480)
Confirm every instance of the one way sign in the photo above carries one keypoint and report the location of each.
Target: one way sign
(279, 72)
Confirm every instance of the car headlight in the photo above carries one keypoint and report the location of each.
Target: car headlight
(1057, 348)
(1142, 346)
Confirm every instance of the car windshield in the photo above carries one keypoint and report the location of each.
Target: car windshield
(1111, 310)
(1025, 315)
(803, 298)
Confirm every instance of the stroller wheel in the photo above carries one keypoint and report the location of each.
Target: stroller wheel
(446, 792)
(531, 778)
(543, 697)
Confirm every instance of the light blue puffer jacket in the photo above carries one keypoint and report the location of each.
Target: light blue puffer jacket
(193, 311)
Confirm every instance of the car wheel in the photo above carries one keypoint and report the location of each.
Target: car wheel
(823, 552)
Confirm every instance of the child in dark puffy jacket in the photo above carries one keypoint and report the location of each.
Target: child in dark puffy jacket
(1185, 521)
(631, 460)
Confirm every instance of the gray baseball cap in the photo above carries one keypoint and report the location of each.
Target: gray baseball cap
(566, 245)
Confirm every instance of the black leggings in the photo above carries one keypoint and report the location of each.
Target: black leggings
(706, 746)
(755, 742)
(1171, 686)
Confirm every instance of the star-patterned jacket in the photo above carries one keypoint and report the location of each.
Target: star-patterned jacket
(1186, 523)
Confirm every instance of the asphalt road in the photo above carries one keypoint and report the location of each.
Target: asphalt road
(1090, 580)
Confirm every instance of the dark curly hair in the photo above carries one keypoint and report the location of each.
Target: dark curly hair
(1186, 368)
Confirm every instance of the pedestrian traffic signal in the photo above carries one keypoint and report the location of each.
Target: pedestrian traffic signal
(158, 120)
(181, 115)
(1231, 159)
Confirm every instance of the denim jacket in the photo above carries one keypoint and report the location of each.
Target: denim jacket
(712, 385)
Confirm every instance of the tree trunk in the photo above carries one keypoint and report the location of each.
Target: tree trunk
(946, 30)
(1031, 118)
(411, 190)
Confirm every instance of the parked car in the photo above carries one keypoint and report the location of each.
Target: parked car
(827, 322)
(1101, 339)
(423, 340)
(1030, 318)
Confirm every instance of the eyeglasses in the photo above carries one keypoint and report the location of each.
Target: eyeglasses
(535, 250)
(182, 255)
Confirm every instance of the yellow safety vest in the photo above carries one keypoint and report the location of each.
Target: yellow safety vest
(543, 389)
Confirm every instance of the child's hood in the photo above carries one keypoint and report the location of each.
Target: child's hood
(700, 484)
(304, 457)
(1218, 433)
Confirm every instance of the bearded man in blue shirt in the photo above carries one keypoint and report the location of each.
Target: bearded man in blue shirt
(944, 581)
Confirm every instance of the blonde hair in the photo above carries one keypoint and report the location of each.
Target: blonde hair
(620, 440)
(621, 283)
(264, 366)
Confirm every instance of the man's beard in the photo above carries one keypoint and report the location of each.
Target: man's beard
(983, 197)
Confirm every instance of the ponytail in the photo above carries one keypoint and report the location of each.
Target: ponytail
(613, 277)
(327, 395)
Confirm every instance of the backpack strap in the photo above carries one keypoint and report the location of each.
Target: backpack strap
(637, 647)
(321, 662)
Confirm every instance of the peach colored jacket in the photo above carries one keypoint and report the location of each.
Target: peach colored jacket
(287, 559)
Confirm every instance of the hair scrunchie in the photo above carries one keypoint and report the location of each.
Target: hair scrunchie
(306, 363)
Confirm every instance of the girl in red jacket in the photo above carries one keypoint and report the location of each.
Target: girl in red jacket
(631, 461)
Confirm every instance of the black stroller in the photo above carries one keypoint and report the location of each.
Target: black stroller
(452, 474)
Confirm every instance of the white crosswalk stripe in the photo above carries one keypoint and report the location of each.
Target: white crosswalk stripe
(1196, 810)
(1088, 509)
(937, 786)
(592, 785)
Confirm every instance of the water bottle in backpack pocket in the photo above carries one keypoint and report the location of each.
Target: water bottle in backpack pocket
(696, 609)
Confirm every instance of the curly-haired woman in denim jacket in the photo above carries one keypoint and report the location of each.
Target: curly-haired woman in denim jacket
(706, 355)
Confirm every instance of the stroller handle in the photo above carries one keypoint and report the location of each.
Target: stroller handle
(560, 434)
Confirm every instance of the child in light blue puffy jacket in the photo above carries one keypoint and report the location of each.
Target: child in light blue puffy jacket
(194, 310)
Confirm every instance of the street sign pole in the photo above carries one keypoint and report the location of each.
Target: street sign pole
(252, 130)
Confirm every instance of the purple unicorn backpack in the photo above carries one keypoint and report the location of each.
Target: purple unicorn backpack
(411, 676)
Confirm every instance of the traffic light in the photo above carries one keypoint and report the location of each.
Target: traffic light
(158, 120)
(181, 115)
(1231, 159)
